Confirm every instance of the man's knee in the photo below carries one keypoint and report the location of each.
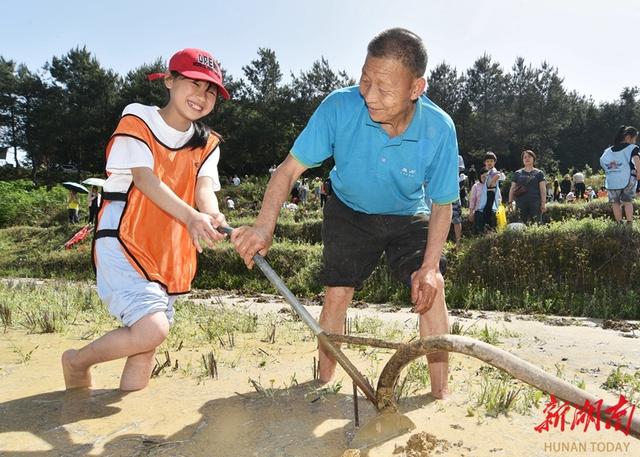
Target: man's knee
(338, 297)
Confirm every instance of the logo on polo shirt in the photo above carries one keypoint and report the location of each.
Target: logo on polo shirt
(408, 172)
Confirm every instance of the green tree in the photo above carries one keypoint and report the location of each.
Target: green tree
(89, 111)
(485, 85)
(10, 128)
(136, 87)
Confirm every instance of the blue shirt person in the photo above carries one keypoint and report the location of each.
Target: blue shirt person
(388, 141)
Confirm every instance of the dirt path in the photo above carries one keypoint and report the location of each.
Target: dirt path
(181, 415)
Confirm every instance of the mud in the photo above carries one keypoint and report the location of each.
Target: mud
(183, 413)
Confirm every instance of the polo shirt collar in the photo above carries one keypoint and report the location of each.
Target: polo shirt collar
(412, 133)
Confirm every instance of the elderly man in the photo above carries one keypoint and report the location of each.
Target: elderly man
(388, 141)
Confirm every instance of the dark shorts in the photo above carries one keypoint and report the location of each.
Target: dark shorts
(456, 212)
(354, 241)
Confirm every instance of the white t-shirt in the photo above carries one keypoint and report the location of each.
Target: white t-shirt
(127, 153)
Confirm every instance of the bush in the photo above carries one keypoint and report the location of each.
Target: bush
(297, 265)
(558, 268)
(576, 267)
(599, 208)
(23, 203)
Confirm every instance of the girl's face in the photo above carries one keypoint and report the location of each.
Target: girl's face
(527, 159)
(189, 98)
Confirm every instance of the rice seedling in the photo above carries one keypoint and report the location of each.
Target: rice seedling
(210, 365)
(23, 356)
(159, 367)
(267, 392)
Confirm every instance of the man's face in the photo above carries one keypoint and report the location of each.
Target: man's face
(389, 89)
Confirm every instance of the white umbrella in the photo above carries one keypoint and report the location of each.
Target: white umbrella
(75, 187)
(94, 182)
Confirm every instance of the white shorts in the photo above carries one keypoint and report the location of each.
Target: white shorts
(128, 295)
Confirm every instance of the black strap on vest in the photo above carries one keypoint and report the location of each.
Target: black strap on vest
(114, 196)
(106, 233)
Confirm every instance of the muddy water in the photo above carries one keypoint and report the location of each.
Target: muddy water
(181, 415)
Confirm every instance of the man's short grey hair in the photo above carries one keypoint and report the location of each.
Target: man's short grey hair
(403, 45)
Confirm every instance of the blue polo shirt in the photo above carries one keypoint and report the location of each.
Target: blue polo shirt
(376, 174)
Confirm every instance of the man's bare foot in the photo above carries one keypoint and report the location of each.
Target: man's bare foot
(74, 378)
(440, 394)
(327, 369)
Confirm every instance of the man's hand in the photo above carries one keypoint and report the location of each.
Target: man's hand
(249, 240)
(426, 283)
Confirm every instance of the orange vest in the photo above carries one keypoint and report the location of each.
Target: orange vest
(157, 244)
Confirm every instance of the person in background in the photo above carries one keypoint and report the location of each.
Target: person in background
(304, 191)
(73, 207)
(556, 190)
(235, 180)
(578, 185)
(476, 196)
(528, 190)
(472, 174)
(602, 192)
(620, 163)
(272, 168)
(317, 187)
(93, 201)
(325, 191)
(565, 186)
(491, 196)
(456, 207)
(230, 203)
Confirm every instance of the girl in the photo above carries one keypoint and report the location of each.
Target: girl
(621, 162)
(476, 215)
(160, 162)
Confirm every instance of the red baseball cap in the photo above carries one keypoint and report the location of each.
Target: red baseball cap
(196, 64)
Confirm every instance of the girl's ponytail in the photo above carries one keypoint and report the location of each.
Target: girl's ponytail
(623, 131)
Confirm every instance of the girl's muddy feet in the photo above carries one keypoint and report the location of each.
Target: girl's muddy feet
(74, 378)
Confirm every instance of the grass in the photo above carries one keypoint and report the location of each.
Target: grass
(498, 393)
(51, 307)
(487, 334)
(415, 379)
(565, 277)
(624, 383)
